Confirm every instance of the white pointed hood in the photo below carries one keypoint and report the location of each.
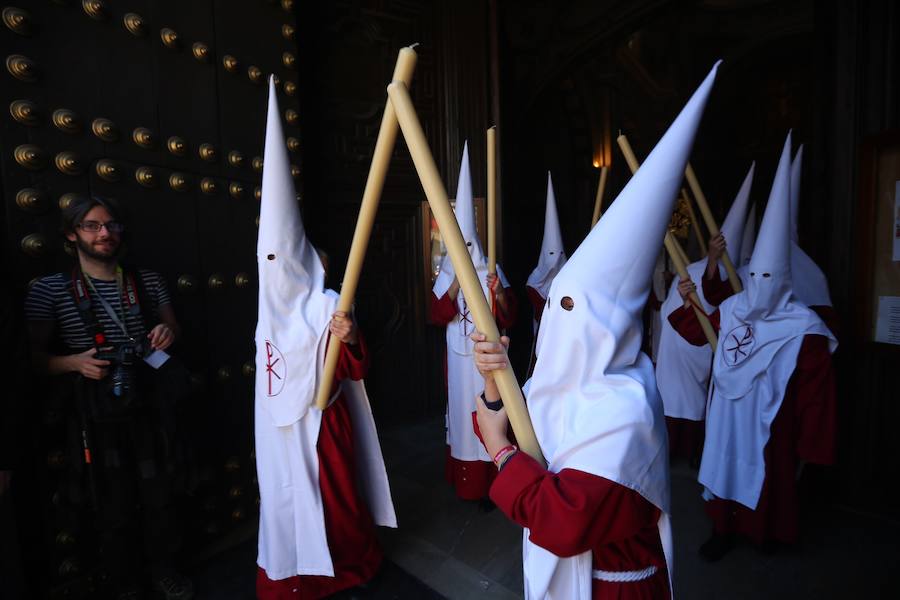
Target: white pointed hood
(796, 172)
(593, 397)
(733, 226)
(810, 283)
(553, 255)
(763, 320)
(294, 309)
(682, 369)
(748, 238)
(761, 333)
(465, 217)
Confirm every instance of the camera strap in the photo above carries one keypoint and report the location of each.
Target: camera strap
(127, 287)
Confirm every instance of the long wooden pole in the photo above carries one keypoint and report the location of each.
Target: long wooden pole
(711, 225)
(695, 225)
(384, 147)
(672, 246)
(598, 201)
(676, 253)
(492, 199)
(462, 263)
(684, 256)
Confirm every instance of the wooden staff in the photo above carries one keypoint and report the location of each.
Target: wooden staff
(711, 225)
(384, 147)
(676, 253)
(684, 256)
(674, 249)
(462, 263)
(695, 225)
(492, 199)
(598, 201)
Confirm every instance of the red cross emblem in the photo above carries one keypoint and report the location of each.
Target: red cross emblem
(464, 316)
(276, 371)
(738, 345)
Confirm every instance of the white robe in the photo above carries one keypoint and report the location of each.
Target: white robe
(682, 369)
(464, 382)
(292, 537)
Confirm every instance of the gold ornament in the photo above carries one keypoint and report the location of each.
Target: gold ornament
(143, 137)
(169, 38)
(66, 120)
(29, 156)
(207, 152)
(208, 186)
(17, 20)
(30, 200)
(146, 176)
(69, 163)
(22, 68)
(108, 170)
(25, 112)
(34, 245)
(176, 145)
(105, 130)
(200, 51)
(235, 158)
(134, 23)
(178, 182)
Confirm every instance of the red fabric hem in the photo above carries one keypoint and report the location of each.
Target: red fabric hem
(685, 438)
(470, 478)
(312, 587)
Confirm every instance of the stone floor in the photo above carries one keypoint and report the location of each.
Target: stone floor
(454, 549)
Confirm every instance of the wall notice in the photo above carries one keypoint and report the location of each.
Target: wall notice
(887, 327)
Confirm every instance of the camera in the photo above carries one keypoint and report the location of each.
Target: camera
(122, 361)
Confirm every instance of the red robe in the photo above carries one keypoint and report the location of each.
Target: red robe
(537, 302)
(470, 479)
(355, 552)
(571, 512)
(803, 430)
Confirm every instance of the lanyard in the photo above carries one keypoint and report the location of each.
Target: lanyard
(120, 322)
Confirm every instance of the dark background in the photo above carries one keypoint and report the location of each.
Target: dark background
(561, 79)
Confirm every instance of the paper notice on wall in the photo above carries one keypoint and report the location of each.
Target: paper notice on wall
(896, 232)
(887, 327)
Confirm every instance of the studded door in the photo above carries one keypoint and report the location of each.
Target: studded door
(161, 105)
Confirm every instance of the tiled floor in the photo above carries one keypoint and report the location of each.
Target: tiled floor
(458, 550)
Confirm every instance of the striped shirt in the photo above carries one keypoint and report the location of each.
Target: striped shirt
(51, 299)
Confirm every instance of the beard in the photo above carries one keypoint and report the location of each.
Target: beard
(98, 251)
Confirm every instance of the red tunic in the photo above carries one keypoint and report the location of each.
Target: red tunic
(355, 552)
(537, 302)
(803, 430)
(571, 512)
(685, 438)
(470, 479)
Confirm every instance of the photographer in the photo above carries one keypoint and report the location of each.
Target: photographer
(102, 329)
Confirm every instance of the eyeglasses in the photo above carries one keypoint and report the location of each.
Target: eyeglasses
(96, 226)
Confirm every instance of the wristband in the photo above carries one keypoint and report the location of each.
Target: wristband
(504, 453)
(495, 405)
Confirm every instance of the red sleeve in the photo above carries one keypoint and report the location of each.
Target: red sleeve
(813, 386)
(684, 321)
(571, 511)
(353, 361)
(508, 318)
(537, 302)
(716, 290)
(441, 312)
